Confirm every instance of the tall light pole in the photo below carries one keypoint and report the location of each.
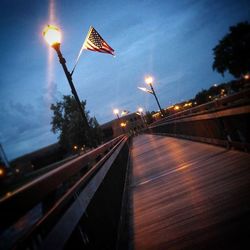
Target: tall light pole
(53, 37)
(140, 113)
(149, 81)
(116, 112)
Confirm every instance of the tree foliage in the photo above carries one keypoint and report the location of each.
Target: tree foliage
(149, 118)
(67, 121)
(232, 54)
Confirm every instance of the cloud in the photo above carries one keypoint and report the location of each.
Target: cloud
(51, 93)
(21, 124)
(21, 109)
(28, 141)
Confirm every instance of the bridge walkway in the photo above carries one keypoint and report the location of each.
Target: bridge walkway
(188, 195)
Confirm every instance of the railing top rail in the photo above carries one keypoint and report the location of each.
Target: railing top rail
(85, 186)
(33, 192)
(218, 104)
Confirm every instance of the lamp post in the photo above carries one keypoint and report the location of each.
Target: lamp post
(149, 81)
(116, 112)
(53, 36)
(140, 112)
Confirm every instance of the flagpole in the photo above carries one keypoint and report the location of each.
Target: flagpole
(70, 81)
(81, 50)
(80, 53)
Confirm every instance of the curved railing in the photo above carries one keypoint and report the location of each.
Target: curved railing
(234, 100)
(52, 196)
(223, 122)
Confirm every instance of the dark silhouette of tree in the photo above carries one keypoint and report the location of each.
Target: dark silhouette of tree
(232, 54)
(148, 117)
(67, 121)
(202, 97)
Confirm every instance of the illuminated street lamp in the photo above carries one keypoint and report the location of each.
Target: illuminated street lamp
(246, 76)
(123, 124)
(176, 107)
(116, 112)
(140, 110)
(53, 37)
(1, 171)
(140, 113)
(149, 81)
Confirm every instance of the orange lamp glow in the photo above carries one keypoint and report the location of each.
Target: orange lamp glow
(52, 35)
(149, 79)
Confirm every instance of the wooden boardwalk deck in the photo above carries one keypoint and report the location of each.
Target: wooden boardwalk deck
(188, 195)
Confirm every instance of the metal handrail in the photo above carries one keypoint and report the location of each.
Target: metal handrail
(35, 191)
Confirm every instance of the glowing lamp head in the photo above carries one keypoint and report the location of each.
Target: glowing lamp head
(149, 80)
(116, 111)
(123, 124)
(52, 35)
(140, 110)
(246, 76)
(2, 171)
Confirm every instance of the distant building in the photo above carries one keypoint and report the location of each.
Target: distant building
(131, 124)
(38, 159)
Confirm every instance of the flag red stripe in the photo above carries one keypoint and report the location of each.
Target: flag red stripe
(95, 42)
(92, 47)
(103, 47)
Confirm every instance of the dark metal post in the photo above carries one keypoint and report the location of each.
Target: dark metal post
(69, 77)
(119, 121)
(143, 120)
(153, 92)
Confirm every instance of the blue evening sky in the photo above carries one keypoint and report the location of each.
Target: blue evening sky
(172, 40)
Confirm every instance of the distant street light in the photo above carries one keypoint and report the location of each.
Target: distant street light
(116, 112)
(123, 124)
(140, 113)
(53, 37)
(176, 107)
(140, 110)
(246, 76)
(149, 81)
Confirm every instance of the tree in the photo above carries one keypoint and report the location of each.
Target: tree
(202, 97)
(67, 121)
(232, 54)
(148, 117)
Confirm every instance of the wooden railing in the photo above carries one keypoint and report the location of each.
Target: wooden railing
(223, 122)
(234, 100)
(61, 196)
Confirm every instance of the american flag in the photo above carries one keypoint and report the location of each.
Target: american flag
(96, 43)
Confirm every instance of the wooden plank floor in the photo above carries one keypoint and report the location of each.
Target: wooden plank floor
(188, 195)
